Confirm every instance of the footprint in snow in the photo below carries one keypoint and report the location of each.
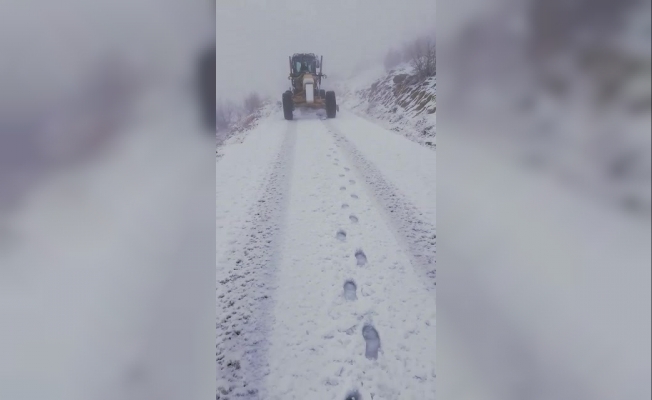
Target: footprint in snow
(331, 382)
(372, 340)
(355, 196)
(351, 181)
(346, 168)
(341, 175)
(354, 395)
(349, 290)
(353, 219)
(341, 235)
(360, 257)
(342, 187)
(345, 206)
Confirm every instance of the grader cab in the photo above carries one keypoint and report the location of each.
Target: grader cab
(305, 91)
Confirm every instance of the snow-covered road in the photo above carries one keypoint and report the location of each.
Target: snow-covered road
(326, 272)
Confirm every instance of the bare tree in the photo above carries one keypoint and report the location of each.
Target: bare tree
(226, 114)
(252, 103)
(422, 56)
(392, 59)
(406, 52)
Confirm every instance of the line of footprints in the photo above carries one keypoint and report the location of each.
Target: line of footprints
(369, 333)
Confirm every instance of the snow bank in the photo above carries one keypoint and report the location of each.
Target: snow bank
(237, 132)
(398, 100)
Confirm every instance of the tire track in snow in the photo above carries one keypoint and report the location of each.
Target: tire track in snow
(416, 234)
(244, 292)
(365, 326)
(346, 326)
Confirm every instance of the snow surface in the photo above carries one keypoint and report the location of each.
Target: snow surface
(545, 294)
(101, 285)
(410, 167)
(373, 95)
(565, 281)
(310, 255)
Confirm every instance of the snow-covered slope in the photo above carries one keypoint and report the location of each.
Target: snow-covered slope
(397, 100)
(240, 128)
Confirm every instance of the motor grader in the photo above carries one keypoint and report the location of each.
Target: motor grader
(305, 91)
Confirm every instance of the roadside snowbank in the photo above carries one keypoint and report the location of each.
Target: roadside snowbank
(240, 128)
(396, 100)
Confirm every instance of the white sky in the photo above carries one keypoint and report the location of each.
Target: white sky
(255, 37)
(49, 47)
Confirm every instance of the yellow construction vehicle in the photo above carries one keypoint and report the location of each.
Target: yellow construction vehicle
(305, 91)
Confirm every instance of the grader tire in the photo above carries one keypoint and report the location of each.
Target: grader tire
(288, 105)
(331, 104)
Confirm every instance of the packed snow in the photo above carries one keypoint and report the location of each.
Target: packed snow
(326, 281)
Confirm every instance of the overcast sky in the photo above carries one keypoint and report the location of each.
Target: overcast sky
(255, 37)
(49, 47)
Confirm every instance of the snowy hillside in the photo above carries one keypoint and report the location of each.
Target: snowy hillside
(398, 100)
(238, 130)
